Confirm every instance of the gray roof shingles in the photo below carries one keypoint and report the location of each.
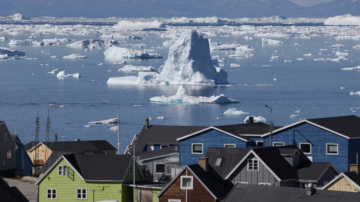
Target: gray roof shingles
(95, 146)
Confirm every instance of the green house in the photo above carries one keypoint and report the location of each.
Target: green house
(89, 177)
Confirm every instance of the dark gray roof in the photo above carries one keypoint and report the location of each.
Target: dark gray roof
(312, 171)
(354, 177)
(94, 146)
(158, 152)
(10, 194)
(100, 167)
(246, 129)
(346, 125)
(256, 193)
(215, 183)
(30, 145)
(157, 134)
(55, 155)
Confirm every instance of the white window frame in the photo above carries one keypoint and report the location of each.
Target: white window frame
(216, 161)
(192, 148)
(302, 150)
(174, 200)
(230, 145)
(192, 182)
(160, 172)
(63, 170)
(259, 141)
(38, 155)
(253, 170)
(278, 143)
(166, 169)
(81, 193)
(51, 194)
(326, 148)
(264, 183)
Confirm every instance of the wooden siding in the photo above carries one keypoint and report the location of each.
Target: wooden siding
(198, 194)
(342, 184)
(6, 143)
(210, 138)
(152, 163)
(44, 154)
(329, 175)
(253, 177)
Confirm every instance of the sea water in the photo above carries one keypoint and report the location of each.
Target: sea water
(310, 86)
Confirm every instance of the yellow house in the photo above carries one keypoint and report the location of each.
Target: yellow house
(347, 182)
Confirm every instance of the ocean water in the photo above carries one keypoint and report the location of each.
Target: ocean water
(310, 86)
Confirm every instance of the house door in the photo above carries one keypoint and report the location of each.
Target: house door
(144, 195)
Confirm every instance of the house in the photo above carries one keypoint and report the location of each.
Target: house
(334, 139)
(10, 194)
(9, 160)
(92, 177)
(256, 193)
(23, 162)
(271, 166)
(147, 191)
(197, 182)
(345, 182)
(40, 152)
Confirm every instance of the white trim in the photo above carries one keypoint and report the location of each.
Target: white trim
(37, 145)
(253, 160)
(308, 144)
(332, 144)
(245, 157)
(212, 127)
(202, 183)
(192, 182)
(160, 172)
(81, 194)
(174, 200)
(51, 193)
(260, 141)
(230, 145)
(264, 183)
(172, 181)
(336, 178)
(63, 170)
(309, 122)
(192, 147)
(278, 143)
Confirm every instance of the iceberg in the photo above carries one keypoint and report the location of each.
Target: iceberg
(114, 128)
(3, 56)
(234, 65)
(356, 93)
(242, 53)
(132, 68)
(10, 52)
(234, 111)
(257, 119)
(357, 47)
(308, 55)
(35, 43)
(18, 16)
(271, 42)
(338, 53)
(128, 25)
(55, 71)
(343, 20)
(19, 42)
(337, 46)
(182, 96)
(75, 56)
(2, 38)
(89, 43)
(293, 115)
(352, 68)
(127, 53)
(108, 121)
(62, 74)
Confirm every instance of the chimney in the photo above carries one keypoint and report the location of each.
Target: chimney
(310, 190)
(147, 124)
(204, 163)
(355, 167)
(77, 140)
(251, 119)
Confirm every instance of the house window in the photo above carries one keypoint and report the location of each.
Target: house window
(51, 194)
(218, 161)
(63, 170)
(229, 145)
(259, 143)
(8, 154)
(305, 148)
(197, 148)
(253, 165)
(278, 144)
(265, 183)
(160, 168)
(36, 155)
(81, 193)
(186, 182)
(332, 149)
(131, 170)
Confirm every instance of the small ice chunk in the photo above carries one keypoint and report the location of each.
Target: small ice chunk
(160, 117)
(234, 111)
(53, 57)
(87, 126)
(101, 64)
(108, 121)
(294, 115)
(356, 93)
(62, 74)
(274, 57)
(127, 53)
(55, 71)
(257, 119)
(75, 56)
(287, 60)
(234, 65)
(114, 128)
(298, 111)
(132, 68)
(342, 88)
(308, 55)
(271, 42)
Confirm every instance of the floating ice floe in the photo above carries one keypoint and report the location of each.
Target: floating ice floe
(62, 74)
(308, 55)
(299, 59)
(55, 71)
(352, 68)
(234, 111)
(89, 44)
(342, 88)
(294, 115)
(35, 43)
(343, 20)
(101, 64)
(75, 56)
(4, 56)
(10, 52)
(271, 42)
(274, 57)
(132, 68)
(356, 93)
(319, 59)
(116, 53)
(108, 121)
(87, 126)
(53, 57)
(357, 47)
(242, 53)
(287, 60)
(2, 38)
(160, 117)
(182, 96)
(128, 25)
(338, 53)
(19, 42)
(298, 111)
(337, 46)
(257, 119)
(189, 62)
(234, 65)
(114, 128)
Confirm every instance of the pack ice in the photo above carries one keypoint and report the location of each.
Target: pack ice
(182, 96)
(89, 43)
(10, 52)
(189, 62)
(116, 53)
(343, 20)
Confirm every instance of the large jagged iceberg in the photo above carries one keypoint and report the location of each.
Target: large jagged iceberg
(116, 53)
(182, 96)
(10, 52)
(343, 20)
(189, 62)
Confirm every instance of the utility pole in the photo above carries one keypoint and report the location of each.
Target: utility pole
(271, 126)
(118, 123)
(134, 171)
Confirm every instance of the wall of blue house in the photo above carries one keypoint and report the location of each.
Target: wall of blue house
(354, 146)
(27, 171)
(305, 132)
(210, 138)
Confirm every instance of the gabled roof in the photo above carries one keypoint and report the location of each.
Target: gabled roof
(55, 155)
(313, 171)
(215, 184)
(345, 126)
(256, 193)
(97, 167)
(4, 129)
(10, 194)
(92, 146)
(351, 176)
(250, 129)
(159, 153)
